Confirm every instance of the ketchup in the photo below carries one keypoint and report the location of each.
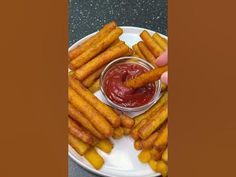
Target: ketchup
(120, 94)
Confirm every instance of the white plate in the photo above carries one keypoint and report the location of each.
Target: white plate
(123, 160)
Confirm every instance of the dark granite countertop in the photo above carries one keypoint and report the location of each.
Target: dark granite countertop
(87, 16)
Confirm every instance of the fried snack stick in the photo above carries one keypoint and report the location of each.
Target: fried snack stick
(98, 121)
(159, 166)
(95, 49)
(92, 78)
(117, 41)
(145, 156)
(137, 51)
(157, 154)
(129, 53)
(126, 121)
(165, 155)
(147, 53)
(95, 86)
(134, 132)
(163, 99)
(79, 132)
(148, 143)
(93, 40)
(118, 133)
(154, 122)
(105, 145)
(105, 110)
(101, 60)
(137, 145)
(127, 131)
(151, 44)
(162, 139)
(145, 78)
(77, 116)
(78, 145)
(94, 158)
(160, 41)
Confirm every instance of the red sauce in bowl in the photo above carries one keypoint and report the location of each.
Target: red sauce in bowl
(127, 97)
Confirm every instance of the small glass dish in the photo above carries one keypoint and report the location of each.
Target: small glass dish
(138, 61)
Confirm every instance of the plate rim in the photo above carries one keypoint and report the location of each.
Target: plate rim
(81, 164)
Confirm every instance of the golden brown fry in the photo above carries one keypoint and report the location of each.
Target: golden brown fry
(129, 53)
(145, 78)
(137, 51)
(137, 145)
(147, 53)
(154, 123)
(152, 163)
(93, 40)
(159, 166)
(118, 133)
(77, 116)
(162, 100)
(92, 78)
(151, 44)
(79, 132)
(105, 145)
(105, 110)
(162, 168)
(102, 59)
(145, 156)
(148, 143)
(162, 139)
(94, 158)
(156, 154)
(127, 131)
(95, 49)
(134, 133)
(165, 155)
(160, 41)
(126, 121)
(78, 145)
(98, 121)
(95, 86)
(116, 42)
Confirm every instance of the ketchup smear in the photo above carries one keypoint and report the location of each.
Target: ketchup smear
(120, 94)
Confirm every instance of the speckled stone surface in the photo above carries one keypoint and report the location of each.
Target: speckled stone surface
(87, 16)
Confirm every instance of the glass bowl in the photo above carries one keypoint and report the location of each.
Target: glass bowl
(138, 61)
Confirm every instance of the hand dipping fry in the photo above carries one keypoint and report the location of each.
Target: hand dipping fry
(145, 78)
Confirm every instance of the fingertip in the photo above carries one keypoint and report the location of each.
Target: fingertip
(162, 59)
(164, 78)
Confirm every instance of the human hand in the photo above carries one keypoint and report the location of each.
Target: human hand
(163, 60)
